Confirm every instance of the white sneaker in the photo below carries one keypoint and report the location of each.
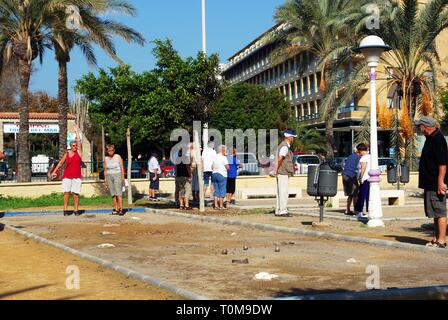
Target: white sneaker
(360, 215)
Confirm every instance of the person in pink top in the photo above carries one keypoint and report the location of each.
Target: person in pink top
(71, 179)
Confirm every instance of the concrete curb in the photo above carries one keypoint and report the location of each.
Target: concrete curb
(422, 293)
(311, 233)
(346, 218)
(110, 265)
(53, 212)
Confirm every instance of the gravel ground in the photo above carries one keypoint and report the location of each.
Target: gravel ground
(189, 254)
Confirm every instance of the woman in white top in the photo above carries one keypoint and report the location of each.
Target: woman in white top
(219, 177)
(364, 189)
(114, 178)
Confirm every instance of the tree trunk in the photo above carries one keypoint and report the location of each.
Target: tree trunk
(329, 131)
(63, 106)
(329, 134)
(128, 143)
(24, 163)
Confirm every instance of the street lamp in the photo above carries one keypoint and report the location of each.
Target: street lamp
(372, 47)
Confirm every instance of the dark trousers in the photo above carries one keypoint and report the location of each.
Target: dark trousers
(363, 196)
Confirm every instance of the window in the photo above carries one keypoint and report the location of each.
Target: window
(293, 90)
(312, 84)
(299, 88)
(319, 79)
(305, 86)
(287, 69)
(282, 71)
(287, 92)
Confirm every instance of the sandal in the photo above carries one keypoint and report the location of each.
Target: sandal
(432, 243)
(66, 213)
(182, 208)
(121, 212)
(76, 213)
(440, 245)
(115, 212)
(188, 208)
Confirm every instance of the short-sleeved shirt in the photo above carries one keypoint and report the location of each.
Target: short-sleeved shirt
(153, 164)
(219, 165)
(365, 159)
(351, 165)
(233, 164)
(434, 154)
(284, 150)
(182, 170)
(208, 156)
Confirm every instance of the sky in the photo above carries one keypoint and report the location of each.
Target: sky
(231, 25)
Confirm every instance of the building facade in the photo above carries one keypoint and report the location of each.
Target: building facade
(299, 81)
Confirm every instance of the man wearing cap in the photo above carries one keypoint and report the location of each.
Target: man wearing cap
(433, 178)
(284, 170)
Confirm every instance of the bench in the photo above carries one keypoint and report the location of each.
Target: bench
(254, 193)
(394, 197)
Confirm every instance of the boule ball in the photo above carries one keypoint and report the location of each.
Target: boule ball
(277, 249)
(245, 248)
(224, 251)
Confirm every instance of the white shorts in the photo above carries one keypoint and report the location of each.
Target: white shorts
(71, 186)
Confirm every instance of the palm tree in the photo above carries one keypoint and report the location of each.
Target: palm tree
(310, 27)
(92, 30)
(413, 67)
(24, 38)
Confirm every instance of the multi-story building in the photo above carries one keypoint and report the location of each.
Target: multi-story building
(299, 81)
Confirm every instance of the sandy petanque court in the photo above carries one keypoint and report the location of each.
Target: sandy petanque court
(209, 259)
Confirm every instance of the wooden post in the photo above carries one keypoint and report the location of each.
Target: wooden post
(128, 143)
(198, 160)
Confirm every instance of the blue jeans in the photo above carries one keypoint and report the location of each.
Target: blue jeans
(219, 185)
(363, 196)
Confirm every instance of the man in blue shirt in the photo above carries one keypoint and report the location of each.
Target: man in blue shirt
(232, 173)
(350, 177)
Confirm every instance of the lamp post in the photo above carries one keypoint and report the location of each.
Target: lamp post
(372, 47)
(204, 49)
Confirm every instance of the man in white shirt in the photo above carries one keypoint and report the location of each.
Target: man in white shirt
(284, 170)
(208, 155)
(154, 172)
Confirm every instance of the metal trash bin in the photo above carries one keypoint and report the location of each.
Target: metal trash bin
(322, 183)
(392, 173)
(405, 172)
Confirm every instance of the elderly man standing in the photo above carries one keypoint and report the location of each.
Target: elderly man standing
(284, 170)
(433, 178)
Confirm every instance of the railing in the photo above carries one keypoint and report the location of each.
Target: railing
(94, 171)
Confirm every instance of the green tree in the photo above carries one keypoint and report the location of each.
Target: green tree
(90, 28)
(246, 106)
(310, 26)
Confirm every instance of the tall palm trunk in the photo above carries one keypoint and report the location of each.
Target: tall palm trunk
(24, 165)
(329, 133)
(329, 130)
(63, 106)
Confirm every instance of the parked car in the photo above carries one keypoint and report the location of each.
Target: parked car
(384, 162)
(167, 167)
(40, 165)
(249, 164)
(137, 172)
(5, 172)
(302, 161)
